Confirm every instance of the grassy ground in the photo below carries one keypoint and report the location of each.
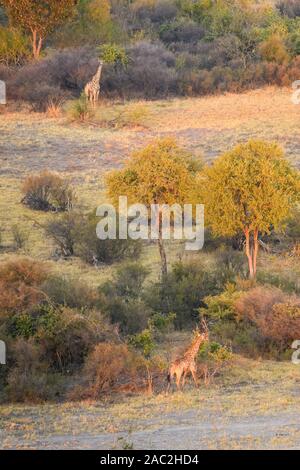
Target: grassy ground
(84, 152)
(253, 405)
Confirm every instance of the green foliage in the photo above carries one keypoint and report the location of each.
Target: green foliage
(221, 307)
(114, 54)
(91, 24)
(14, 46)
(79, 109)
(96, 251)
(129, 280)
(38, 18)
(160, 322)
(238, 195)
(273, 49)
(143, 341)
(121, 299)
(182, 292)
(157, 174)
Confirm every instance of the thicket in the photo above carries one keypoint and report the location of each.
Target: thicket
(159, 48)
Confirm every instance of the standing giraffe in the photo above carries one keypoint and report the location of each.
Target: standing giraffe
(92, 88)
(180, 367)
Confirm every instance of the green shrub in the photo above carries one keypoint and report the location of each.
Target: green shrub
(14, 46)
(183, 291)
(63, 231)
(70, 292)
(129, 280)
(143, 341)
(114, 54)
(20, 238)
(222, 306)
(95, 251)
(79, 109)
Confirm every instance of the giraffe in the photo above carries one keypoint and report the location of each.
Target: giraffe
(92, 88)
(181, 366)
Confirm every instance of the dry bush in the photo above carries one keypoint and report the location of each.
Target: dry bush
(20, 281)
(109, 367)
(29, 379)
(47, 191)
(54, 108)
(63, 231)
(275, 314)
(112, 367)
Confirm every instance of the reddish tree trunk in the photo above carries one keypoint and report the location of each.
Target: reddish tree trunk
(251, 251)
(37, 43)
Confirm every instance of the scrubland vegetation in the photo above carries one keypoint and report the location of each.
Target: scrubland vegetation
(151, 48)
(88, 320)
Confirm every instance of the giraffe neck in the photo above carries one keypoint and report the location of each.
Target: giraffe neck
(98, 74)
(193, 349)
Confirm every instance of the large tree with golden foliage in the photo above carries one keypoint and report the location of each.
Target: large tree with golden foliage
(38, 17)
(161, 173)
(250, 189)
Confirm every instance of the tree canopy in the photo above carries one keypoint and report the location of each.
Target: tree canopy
(160, 173)
(38, 17)
(250, 189)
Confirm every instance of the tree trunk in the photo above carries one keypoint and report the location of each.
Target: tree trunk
(249, 253)
(163, 257)
(255, 250)
(37, 43)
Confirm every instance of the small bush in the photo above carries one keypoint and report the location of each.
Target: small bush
(95, 251)
(20, 284)
(80, 109)
(212, 359)
(20, 238)
(222, 306)
(63, 232)
(29, 379)
(70, 292)
(47, 191)
(131, 316)
(129, 280)
(275, 314)
(67, 335)
(273, 50)
(107, 368)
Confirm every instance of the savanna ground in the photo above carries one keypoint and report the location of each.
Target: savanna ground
(255, 404)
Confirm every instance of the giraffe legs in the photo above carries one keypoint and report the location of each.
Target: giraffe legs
(183, 377)
(193, 372)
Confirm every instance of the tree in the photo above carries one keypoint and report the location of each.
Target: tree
(161, 173)
(250, 189)
(38, 17)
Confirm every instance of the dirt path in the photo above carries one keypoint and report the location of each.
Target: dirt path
(280, 431)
